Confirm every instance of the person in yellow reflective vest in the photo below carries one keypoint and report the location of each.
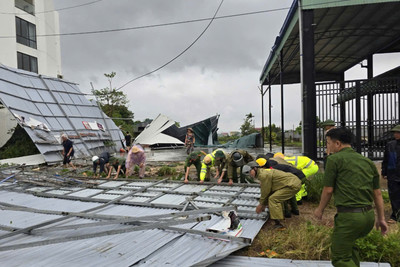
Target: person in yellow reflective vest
(303, 163)
(214, 159)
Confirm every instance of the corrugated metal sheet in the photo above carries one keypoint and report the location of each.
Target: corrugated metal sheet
(48, 107)
(149, 247)
(236, 261)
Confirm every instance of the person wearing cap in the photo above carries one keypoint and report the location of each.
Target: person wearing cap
(282, 165)
(189, 140)
(194, 158)
(276, 187)
(119, 165)
(68, 151)
(237, 159)
(101, 161)
(391, 172)
(136, 156)
(353, 181)
(214, 159)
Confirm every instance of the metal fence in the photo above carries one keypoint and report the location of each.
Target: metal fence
(370, 108)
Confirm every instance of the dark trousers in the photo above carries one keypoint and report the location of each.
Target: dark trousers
(394, 195)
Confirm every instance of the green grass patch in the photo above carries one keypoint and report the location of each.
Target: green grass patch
(166, 170)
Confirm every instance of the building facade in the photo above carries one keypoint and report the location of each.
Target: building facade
(27, 37)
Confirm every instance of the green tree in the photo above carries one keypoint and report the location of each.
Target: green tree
(114, 104)
(248, 125)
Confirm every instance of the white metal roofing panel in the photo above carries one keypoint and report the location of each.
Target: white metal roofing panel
(188, 188)
(147, 247)
(240, 261)
(170, 199)
(59, 192)
(106, 196)
(112, 184)
(86, 192)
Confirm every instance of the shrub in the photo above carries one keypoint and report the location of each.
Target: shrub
(314, 187)
(385, 196)
(377, 248)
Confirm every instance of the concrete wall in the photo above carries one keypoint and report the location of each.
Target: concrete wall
(48, 51)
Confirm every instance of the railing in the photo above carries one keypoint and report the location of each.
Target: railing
(27, 6)
(370, 108)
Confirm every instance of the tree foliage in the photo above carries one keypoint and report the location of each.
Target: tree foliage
(248, 125)
(114, 104)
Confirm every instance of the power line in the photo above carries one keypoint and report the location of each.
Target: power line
(180, 54)
(60, 9)
(157, 25)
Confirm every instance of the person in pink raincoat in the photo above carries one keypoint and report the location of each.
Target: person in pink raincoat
(135, 156)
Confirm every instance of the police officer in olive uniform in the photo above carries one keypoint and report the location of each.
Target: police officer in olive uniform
(237, 159)
(353, 180)
(276, 187)
(194, 158)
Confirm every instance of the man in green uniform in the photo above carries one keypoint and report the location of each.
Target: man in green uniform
(237, 159)
(194, 158)
(276, 187)
(119, 165)
(354, 181)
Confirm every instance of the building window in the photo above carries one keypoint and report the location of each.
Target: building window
(26, 5)
(26, 32)
(26, 62)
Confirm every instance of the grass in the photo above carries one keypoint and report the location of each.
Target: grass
(305, 242)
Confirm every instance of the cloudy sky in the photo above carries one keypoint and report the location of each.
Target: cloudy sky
(218, 74)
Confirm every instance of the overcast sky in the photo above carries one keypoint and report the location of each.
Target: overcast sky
(219, 74)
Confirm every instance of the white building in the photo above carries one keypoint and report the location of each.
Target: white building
(26, 41)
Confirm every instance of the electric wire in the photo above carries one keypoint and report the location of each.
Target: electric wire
(59, 9)
(177, 56)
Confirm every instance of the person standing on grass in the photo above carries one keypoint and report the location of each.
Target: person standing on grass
(391, 172)
(68, 151)
(353, 180)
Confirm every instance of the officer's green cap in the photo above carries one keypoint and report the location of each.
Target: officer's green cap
(219, 154)
(395, 128)
(328, 123)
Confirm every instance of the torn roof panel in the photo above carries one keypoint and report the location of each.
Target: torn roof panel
(185, 244)
(48, 107)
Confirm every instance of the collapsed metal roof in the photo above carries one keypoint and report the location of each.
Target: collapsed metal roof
(345, 33)
(149, 223)
(48, 107)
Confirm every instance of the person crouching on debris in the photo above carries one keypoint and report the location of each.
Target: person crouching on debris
(276, 187)
(119, 165)
(136, 156)
(193, 159)
(215, 159)
(68, 151)
(103, 161)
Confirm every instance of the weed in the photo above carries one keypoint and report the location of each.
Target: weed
(166, 170)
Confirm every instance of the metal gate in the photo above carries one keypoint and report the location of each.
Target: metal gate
(370, 108)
